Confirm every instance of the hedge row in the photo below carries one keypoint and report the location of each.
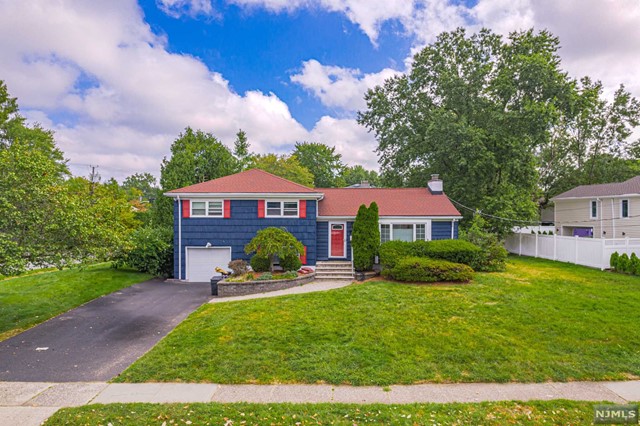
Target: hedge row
(625, 264)
(422, 269)
(457, 251)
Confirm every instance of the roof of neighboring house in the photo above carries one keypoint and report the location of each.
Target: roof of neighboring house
(344, 202)
(250, 181)
(631, 186)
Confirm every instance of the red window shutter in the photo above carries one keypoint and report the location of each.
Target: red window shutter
(186, 208)
(227, 209)
(302, 209)
(260, 208)
(303, 256)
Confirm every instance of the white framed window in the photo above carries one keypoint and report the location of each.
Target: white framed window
(593, 209)
(403, 232)
(385, 233)
(212, 208)
(282, 208)
(624, 208)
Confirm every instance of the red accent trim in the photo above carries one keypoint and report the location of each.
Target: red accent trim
(303, 208)
(260, 208)
(227, 209)
(186, 208)
(303, 257)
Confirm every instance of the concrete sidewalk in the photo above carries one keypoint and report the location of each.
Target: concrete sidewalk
(312, 287)
(31, 403)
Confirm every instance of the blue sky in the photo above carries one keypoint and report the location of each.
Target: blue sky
(118, 80)
(258, 49)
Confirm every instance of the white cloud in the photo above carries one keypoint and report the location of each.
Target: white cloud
(339, 87)
(192, 8)
(356, 145)
(140, 96)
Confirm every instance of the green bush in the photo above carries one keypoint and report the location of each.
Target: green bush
(289, 275)
(148, 250)
(290, 263)
(457, 251)
(365, 237)
(494, 256)
(264, 277)
(274, 242)
(420, 269)
(614, 260)
(260, 263)
(392, 251)
(624, 264)
(634, 264)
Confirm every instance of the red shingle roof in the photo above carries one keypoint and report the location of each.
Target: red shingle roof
(391, 202)
(250, 181)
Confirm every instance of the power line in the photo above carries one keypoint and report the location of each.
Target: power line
(476, 211)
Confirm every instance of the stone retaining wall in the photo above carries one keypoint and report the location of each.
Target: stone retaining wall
(227, 289)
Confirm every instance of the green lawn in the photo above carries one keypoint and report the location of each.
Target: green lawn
(559, 412)
(31, 299)
(538, 321)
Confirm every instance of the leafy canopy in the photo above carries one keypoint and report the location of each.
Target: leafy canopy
(473, 109)
(271, 242)
(287, 167)
(322, 161)
(196, 157)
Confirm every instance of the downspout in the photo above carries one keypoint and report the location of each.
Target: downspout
(453, 227)
(179, 240)
(613, 218)
(601, 211)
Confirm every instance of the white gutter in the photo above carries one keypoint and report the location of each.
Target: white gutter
(596, 197)
(247, 196)
(179, 239)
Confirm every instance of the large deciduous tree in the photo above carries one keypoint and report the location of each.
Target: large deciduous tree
(474, 109)
(352, 175)
(196, 157)
(322, 161)
(287, 167)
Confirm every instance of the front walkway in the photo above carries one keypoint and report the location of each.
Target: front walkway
(312, 287)
(31, 403)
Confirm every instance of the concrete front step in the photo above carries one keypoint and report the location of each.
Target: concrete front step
(335, 278)
(334, 272)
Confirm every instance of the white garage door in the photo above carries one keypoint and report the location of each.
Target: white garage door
(202, 261)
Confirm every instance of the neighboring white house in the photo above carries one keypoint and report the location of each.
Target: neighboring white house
(610, 210)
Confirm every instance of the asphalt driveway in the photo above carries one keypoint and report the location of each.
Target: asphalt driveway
(98, 340)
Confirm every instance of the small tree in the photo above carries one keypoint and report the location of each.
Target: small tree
(613, 260)
(272, 242)
(365, 237)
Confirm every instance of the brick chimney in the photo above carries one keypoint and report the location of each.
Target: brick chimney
(435, 185)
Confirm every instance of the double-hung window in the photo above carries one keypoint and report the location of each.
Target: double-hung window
(624, 208)
(207, 208)
(282, 209)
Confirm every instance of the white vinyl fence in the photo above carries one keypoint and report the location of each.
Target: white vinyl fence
(594, 252)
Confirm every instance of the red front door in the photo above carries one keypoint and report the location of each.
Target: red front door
(337, 241)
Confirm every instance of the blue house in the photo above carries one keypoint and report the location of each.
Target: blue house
(214, 220)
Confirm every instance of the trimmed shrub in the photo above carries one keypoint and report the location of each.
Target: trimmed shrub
(392, 251)
(274, 242)
(365, 237)
(149, 250)
(634, 264)
(290, 263)
(239, 267)
(420, 269)
(260, 263)
(624, 264)
(613, 260)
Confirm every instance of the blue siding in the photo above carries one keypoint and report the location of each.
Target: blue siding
(322, 229)
(442, 230)
(240, 228)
